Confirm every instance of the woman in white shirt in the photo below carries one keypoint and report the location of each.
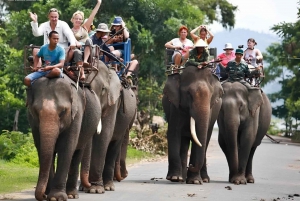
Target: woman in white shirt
(253, 55)
(182, 45)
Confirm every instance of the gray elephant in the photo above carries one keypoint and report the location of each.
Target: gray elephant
(118, 113)
(62, 119)
(243, 121)
(191, 102)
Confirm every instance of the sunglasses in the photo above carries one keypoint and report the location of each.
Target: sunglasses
(53, 10)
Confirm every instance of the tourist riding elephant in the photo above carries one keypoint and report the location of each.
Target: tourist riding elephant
(118, 113)
(63, 119)
(243, 121)
(191, 102)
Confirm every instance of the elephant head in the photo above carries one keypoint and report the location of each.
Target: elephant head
(54, 107)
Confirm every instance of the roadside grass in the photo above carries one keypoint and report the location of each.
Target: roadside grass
(15, 177)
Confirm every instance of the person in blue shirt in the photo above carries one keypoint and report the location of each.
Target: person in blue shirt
(54, 57)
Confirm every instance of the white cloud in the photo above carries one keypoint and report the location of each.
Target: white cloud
(261, 15)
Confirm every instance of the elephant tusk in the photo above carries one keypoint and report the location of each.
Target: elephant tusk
(193, 132)
(99, 127)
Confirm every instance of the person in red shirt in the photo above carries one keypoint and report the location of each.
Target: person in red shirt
(226, 56)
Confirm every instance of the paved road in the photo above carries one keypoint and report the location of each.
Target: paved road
(276, 171)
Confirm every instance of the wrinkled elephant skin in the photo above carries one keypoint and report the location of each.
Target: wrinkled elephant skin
(118, 113)
(57, 114)
(243, 121)
(196, 93)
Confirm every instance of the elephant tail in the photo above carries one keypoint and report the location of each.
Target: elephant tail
(193, 132)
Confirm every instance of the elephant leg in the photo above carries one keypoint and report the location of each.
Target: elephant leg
(71, 189)
(249, 176)
(64, 157)
(99, 150)
(174, 142)
(185, 144)
(85, 167)
(108, 173)
(245, 144)
(193, 173)
(123, 155)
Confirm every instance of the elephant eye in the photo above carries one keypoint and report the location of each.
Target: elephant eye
(62, 113)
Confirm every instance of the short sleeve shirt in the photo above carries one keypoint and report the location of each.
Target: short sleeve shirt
(187, 44)
(51, 57)
(225, 58)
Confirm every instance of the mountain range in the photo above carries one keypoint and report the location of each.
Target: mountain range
(239, 37)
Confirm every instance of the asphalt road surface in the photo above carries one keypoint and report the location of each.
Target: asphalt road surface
(276, 171)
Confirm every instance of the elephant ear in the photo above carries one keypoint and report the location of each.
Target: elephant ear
(217, 94)
(255, 100)
(115, 88)
(171, 89)
(74, 100)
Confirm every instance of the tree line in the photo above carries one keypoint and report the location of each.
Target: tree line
(151, 24)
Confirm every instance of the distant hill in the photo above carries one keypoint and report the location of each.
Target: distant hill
(240, 36)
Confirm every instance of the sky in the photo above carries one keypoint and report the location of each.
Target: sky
(261, 15)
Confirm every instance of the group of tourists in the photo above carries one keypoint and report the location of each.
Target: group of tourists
(235, 65)
(64, 45)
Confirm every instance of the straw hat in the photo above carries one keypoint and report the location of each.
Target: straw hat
(200, 43)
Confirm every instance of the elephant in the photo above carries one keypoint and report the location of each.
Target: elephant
(191, 101)
(118, 113)
(243, 121)
(63, 118)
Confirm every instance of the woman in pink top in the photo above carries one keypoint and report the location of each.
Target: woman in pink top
(226, 56)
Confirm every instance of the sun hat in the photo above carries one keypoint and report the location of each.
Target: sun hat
(200, 43)
(239, 51)
(102, 27)
(228, 46)
(117, 21)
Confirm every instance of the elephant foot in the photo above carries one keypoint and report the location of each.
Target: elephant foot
(72, 193)
(205, 177)
(96, 187)
(57, 196)
(194, 178)
(250, 178)
(174, 178)
(109, 186)
(238, 179)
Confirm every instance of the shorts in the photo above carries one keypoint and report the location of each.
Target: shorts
(38, 74)
(175, 53)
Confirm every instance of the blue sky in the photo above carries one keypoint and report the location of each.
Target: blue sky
(261, 15)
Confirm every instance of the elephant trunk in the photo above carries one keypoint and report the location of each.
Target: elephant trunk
(200, 118)
(193, 132)
(49, 131)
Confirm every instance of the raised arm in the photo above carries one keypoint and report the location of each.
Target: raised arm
(125, 31)
(211, 36)
(193, 35)
(89, 21)
(36, 30)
